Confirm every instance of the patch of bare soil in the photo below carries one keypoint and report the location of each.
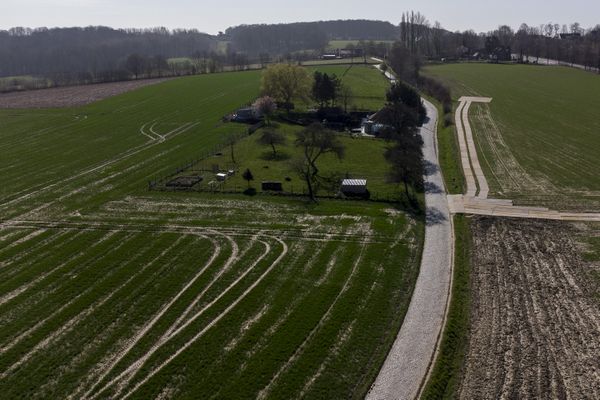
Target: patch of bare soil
(535, 317)
(71, 96)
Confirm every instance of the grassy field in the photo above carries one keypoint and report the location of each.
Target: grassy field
(110, 291)
(266, 166)
(446, 373)
(538, 139)
(368, 84)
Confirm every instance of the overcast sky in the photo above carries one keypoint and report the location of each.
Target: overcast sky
(213, 15)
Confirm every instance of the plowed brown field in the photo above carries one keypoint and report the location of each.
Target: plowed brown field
(535, 315)
(72, 96)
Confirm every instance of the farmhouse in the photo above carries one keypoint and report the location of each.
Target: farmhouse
(245, 115)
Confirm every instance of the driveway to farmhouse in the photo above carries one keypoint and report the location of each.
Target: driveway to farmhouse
(408, 362)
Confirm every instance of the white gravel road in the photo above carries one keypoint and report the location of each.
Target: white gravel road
(408, 362)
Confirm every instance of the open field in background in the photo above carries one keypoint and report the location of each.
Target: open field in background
(71, 96)
(108, 290)
(368, 85)
(538, 139)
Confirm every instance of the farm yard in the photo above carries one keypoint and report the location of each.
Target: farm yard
(110, 291)
(267, 166)
(537, 139)
(534, 311)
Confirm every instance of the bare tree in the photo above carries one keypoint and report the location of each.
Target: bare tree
(346, 96)
(230, 141)
(314, 141)
(135, 64)
(272, 138)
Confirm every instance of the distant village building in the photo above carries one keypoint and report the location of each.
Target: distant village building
(570, 36)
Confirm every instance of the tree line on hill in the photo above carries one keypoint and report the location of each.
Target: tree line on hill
(288, 38)
(101, 54)
(92, 54)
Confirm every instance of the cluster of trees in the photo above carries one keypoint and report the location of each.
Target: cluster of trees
(276, 39)
(402, 115)
(280, 39)
(285, 83)
(572, 44)
(326, 89)
(91, 54)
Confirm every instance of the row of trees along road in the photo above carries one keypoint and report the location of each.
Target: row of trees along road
(402, 115)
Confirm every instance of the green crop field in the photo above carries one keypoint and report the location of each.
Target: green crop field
(108, 290)
(368, 85)
(539, 139)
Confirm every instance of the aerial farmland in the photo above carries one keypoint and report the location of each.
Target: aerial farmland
(112, 290)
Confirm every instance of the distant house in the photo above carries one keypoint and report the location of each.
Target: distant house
(330, 56)
(574, 35)
(501, 53)
(354, 187)
(245, 115)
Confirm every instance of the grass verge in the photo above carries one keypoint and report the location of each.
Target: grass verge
(446, 370)
(449, 156)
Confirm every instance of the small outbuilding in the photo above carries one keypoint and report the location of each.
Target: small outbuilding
(221, 177)
(354, 187)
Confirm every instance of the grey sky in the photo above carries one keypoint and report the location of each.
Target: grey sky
(213, 16)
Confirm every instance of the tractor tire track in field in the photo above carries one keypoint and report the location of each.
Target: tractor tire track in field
(23, 288)
(213, 322)
(47, 243)
(58, 333)
(123, 156)
(264, 393)
(96, 305)
(142, 332)
(508, 172)
(175, 328)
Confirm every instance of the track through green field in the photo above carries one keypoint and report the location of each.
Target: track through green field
(539, 139)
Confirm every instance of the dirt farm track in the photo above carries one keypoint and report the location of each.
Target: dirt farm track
(72, 96)
(535, 318)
